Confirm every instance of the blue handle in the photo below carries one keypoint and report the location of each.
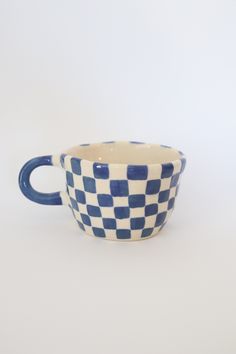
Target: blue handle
(29, 191)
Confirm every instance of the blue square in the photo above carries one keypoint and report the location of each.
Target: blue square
(121, 212)
(183, 164)
(123, 234)
(160, 218)
(153, 186)
(62, 160)
(105, 200)
(164, 196)
(109, 223)
(137, 223)
(86, 219)
(101, 170)
(136, 200)
(164, 223)
(81, 225)
(75, 165)
(147, 232)
(151, 209)
(171, 203)
(174, 180)
(80, 196)
(93, 210)
(98, 232)
(137, 172)
(89, 184)
(119, 188)
(69, 179)
(167, 170)
(177, 190)
(74, 204)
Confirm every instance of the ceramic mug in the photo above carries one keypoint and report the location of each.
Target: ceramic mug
(116, 190)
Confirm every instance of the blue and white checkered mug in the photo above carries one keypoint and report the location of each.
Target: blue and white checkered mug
(116, 190)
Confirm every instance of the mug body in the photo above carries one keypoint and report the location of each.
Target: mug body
(121, 190)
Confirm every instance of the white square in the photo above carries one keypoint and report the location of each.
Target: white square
(177, 167)
(165, 184)
(151, 199)
(172, 192)
(169, 212)
(120, 201)
(103, 186)
(87, 168)
(137, 212)
(78, 182)
(83, 208)
(67, 163)
(91, 198)
(107, 212)
(96, 222)
(88, 230)
(71, 192)
(77, 215)
(156, 230)
(154, 171)
(110, 234)
(162, 207)
(117, 171)
(123, 223)
(150, 221)
(136, 234)
(137, 187)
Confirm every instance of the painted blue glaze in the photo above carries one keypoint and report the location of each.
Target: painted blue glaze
(122, 212)
(136, 142)
(89, 184)
(99, 232)
(74, 204)
(94, 211)
(101, 170)
(151, 209)
(80, 196)
(171, 203)
(105, 200)
(164, 196)
(137, 223)
(167, 170)
(123, 234)
(147, 232)
(137, 172)
(153, 186)
(119, 188)
(29, 191)
(86, 219)
(75, 165)
(81, 225)
(109, 223)
(160, 218)
(136, 200)
(69, 179)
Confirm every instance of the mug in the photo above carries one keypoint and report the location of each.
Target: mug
(116, 190)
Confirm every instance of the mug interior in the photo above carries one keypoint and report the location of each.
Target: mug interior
(125, 153)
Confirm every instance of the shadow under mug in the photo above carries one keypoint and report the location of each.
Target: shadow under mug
(116, 190)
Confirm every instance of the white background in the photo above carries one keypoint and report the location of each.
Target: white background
(73, 72)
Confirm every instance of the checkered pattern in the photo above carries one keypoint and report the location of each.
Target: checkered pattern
(118, 201)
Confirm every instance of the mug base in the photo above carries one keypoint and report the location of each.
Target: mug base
(110, 235)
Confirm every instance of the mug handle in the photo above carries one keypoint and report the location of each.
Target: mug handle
(29, 191)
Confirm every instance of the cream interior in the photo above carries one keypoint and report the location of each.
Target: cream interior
(125, 153)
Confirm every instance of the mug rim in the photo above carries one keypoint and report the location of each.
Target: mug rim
(182, 156)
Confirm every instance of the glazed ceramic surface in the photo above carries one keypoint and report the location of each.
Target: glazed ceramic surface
(116, 190)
